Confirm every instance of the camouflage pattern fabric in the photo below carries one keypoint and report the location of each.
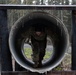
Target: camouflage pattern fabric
(38, 48)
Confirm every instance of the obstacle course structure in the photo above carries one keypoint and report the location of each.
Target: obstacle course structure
(4, 35)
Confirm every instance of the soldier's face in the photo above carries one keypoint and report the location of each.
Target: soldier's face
(38, 33)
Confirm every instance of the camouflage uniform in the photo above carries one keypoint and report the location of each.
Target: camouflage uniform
(38, 47)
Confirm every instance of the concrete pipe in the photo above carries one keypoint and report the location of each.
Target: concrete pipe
(55, 30)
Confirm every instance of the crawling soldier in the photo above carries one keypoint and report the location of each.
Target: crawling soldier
(38, 40)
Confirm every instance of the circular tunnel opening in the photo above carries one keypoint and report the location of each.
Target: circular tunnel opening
(27, 50)
(57, 40)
